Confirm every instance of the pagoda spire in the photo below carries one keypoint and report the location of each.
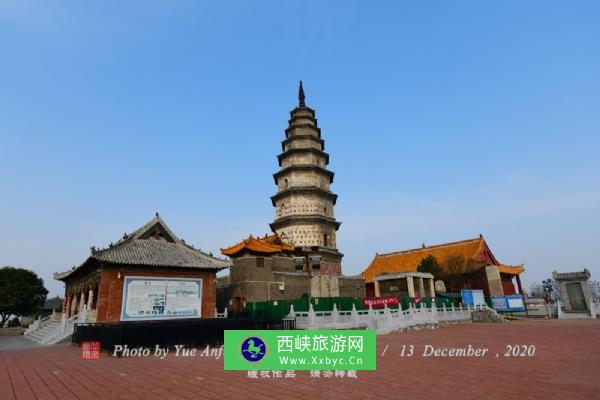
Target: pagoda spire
(301, 96)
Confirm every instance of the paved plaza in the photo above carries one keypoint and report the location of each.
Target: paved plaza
(565, 366)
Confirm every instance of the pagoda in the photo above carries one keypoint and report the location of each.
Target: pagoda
(304, 202)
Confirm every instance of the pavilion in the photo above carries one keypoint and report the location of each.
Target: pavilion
(148, 274)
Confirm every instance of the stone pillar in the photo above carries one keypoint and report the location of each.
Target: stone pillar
(494, 281)
(325, 286)
(411, 286)
(74, 298)
(519, 285)
(315, 287)
(421, 287)
(90, 299)
(81, 299)
(431, 288)
(377, 290)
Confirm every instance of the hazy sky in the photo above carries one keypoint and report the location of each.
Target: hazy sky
(444, 120)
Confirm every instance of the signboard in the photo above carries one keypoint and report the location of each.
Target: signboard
(508, 303)
(380, 302)
(472, 297)
(146, 298)
(515, 303)
(499, 303)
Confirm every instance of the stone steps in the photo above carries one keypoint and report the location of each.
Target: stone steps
(39, 334)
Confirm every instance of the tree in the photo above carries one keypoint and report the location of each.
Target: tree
(552, 290)
(455, 265)
(429, 264)
(459, 271)
(22, 292)
(595, 285)
(537, 291)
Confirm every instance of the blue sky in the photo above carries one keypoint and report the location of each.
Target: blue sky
(443, 120)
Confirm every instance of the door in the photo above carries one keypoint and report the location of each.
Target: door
(238, 304)
(576, 296)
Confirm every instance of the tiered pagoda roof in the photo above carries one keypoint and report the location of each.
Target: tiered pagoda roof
(267, 245)
(408, 260)
(304, 201)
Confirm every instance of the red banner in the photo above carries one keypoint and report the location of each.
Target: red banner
(380, 302)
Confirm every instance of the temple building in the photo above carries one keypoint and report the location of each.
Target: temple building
(266, 269)
(467, 264)
(146, 275)
(304, 203)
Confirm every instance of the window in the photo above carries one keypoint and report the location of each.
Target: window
(325, 240)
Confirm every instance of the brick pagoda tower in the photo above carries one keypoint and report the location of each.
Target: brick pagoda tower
(304, 202)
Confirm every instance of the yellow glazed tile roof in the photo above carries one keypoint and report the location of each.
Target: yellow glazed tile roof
(408, 260)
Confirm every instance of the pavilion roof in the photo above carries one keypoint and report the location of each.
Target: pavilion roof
(271, 244)
(152, 245)
(408, 260)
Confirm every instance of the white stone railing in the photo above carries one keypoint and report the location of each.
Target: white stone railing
(559, 310)
(594, 308)
(37, 324)
(383, 321)
(220, 315)
(65, 327)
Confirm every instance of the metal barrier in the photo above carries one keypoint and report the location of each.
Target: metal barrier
(168, 333)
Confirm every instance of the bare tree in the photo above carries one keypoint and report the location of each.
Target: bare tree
(536, 291)
(595, 285)
(460, 271)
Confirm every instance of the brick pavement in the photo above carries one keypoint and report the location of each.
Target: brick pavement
(565, 366)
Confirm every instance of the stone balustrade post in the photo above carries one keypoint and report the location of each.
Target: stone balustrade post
(335, 314)
(354, 315)
(311, 314)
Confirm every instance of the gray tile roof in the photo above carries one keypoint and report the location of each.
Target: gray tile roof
(153, 245)
(53, 303)
(160, 253)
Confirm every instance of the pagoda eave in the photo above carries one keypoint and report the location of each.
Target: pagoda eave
(318, 249)
(303, 137)
(289, 152)
(309, 219)
(296, 126)
(304, 167)
(296, 118)
(303, 108)
(303, 190)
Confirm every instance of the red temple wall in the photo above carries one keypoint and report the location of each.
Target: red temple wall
(507, 285)
(110, 296)
(370, 289)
